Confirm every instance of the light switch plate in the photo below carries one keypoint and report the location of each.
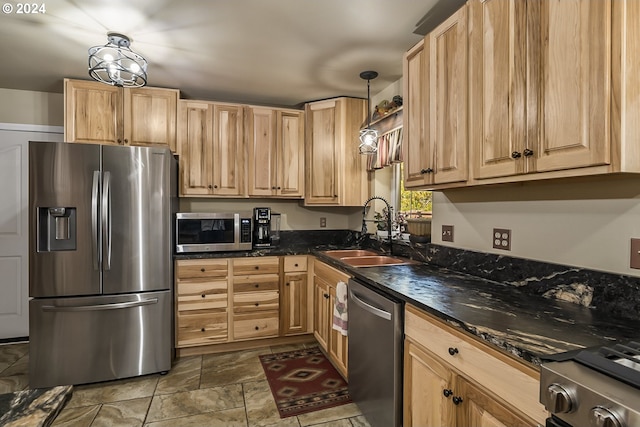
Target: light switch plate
(447, 233)
(635, 253)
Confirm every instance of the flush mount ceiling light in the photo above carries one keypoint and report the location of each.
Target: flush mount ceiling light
(116, 64)
(368, 136)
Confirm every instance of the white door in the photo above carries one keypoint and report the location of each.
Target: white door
(14, 223)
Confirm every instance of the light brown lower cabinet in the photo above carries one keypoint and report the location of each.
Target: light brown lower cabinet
(256, 300)
(296, 299)
(335, 345)
(451, 379)
(239, 301)
(201, 299)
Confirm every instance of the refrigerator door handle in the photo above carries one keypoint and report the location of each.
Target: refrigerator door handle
(99, 307)
(106, 217)
(95, 242)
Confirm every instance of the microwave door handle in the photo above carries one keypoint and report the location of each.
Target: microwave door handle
(236, 229)
(106, 218)
(95, 241)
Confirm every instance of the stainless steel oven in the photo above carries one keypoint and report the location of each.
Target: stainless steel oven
(213, 232)
(597, 387)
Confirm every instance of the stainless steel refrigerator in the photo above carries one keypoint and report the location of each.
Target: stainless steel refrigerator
(100, 262)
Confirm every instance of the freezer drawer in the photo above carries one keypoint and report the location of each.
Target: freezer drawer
(90, 339)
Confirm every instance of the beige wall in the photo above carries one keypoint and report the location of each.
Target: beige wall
(381, 182)
(583, 224)
(29, 107)
(294, 215)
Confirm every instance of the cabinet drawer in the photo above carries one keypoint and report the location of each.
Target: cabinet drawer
(202, 295)
(256, 282)
(256, 265)
(255, 301)
(201, 328)
(293, 264)
(511, 380)
(255, 325)
(201, 268)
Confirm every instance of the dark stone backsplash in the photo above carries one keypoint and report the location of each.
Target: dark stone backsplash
(615, 294)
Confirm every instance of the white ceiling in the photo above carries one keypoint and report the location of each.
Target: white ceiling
(276, 52)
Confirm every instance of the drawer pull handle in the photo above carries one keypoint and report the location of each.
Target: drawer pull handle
(202, 330)
(457, 400)
(295, 265)
(447, 392)
(257, 267)
(257, 328)
(287, 284)
(203, 295)
(326, 296)
(257, 285)
(257, 304)
(202, 269)
(453, 351)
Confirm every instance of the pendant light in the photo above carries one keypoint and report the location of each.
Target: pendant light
(116, 64)
(368, 136)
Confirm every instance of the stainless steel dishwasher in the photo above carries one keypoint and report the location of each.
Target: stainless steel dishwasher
(375, 355)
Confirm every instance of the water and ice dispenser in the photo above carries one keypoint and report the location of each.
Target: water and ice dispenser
(57, 227)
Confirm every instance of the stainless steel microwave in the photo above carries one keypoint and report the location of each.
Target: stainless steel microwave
(213, 232)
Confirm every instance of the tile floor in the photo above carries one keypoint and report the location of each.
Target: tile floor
(225, 390)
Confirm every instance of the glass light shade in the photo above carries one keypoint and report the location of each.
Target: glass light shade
(368, 141)
(116, 64)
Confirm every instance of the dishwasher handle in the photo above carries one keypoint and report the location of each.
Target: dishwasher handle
(368, 307)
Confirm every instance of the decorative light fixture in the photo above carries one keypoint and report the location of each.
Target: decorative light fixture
(368, 136)
(116, 64)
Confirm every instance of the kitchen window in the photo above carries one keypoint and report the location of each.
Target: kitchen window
(408, 202)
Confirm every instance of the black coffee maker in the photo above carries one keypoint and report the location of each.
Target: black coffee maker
(261, 227)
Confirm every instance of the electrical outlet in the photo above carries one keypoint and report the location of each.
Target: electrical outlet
(635, 253)
(323, 222)
(502, 239)
(447, 233)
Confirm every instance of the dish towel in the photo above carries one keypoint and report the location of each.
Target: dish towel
(340, 318)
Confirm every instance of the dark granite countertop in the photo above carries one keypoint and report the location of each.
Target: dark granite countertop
(528, 326)
(33, 408)
(511, 313)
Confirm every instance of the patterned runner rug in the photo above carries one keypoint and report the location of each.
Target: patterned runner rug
(304, 381)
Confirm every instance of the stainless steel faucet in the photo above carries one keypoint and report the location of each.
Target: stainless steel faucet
(389, 210)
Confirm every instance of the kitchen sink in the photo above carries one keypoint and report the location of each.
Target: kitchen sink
(374, 261)
(366, 258)
(344, 253)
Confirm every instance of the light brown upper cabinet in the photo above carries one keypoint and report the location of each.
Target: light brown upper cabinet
(101, 114)
(210, 144)
(275, 144)
(435, 87)
(335, 171)
(418, 157)
(554, 90)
